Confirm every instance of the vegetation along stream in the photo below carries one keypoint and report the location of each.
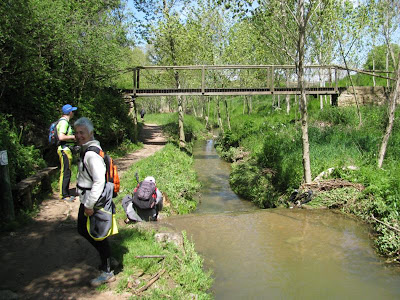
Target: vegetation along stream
(280, 253)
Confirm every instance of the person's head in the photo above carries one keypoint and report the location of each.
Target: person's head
(68, 110)
(84, 131)
(150, 178)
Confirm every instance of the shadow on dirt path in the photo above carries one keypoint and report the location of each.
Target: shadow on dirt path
(48, 259)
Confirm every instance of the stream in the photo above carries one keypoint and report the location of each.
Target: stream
(280, 253)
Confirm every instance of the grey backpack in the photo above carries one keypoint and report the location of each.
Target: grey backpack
(144, 195)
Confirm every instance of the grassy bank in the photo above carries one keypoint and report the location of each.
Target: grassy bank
(269, 140)
(184, 277)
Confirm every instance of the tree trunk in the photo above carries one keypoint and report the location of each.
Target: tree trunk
(180, 123)
(208, 111)
(182, 141)
(287, 104)
(228, 119)
(250, 105)
(392, 109)
(194, 108)
(221, 126)
(352, 84)
(135, 120)
(287, 96)
(303, 99)
(373, 71)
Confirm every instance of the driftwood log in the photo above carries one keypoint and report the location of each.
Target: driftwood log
(150, 282)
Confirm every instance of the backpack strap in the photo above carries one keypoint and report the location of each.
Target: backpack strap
(96, 149)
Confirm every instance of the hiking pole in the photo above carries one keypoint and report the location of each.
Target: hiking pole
(137, 177)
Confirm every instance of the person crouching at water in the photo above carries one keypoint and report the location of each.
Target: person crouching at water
(90, 184)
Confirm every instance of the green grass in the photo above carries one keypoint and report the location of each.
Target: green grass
(183, 277)
(174, 174)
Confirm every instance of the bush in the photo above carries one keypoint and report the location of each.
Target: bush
(23, 160)
(252, 183)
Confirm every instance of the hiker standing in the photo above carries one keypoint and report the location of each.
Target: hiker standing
(90, 184)
(142, 113)
(66, 142)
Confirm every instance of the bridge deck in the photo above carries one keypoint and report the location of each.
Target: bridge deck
(230, 91)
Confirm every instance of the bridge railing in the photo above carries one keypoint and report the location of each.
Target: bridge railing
(212, 80)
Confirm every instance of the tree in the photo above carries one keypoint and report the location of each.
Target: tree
(377, 56)
(392, 107)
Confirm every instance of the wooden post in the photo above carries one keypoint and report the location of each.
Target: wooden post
(6, 200)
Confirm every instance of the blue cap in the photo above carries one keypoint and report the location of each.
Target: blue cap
(67, 108)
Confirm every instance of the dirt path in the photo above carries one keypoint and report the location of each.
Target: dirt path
(48, 259)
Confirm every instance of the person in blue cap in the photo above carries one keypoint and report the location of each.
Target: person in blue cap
(67, 139)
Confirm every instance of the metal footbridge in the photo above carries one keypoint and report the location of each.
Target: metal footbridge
(235, 80)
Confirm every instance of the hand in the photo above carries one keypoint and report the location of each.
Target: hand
(89, 212)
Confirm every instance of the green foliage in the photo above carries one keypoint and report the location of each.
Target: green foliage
(174, 175)
(23, 161)
(57, 52)
(336, 198)
(336, 116)
(124, 148)
(110, 117)
(251, 182)
(378, 54)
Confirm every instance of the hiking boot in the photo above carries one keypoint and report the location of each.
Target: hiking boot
(68, 199)
(103, 278)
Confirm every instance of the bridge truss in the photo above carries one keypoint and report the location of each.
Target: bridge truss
(223, 80)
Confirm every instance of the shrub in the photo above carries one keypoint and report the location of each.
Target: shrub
(252, 183)
(23, 160)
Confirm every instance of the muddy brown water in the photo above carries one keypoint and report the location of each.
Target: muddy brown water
(280, 253)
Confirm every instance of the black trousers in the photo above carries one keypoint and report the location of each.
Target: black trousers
(65, 176)
(102, 247)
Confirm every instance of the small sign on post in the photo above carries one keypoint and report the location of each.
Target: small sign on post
(6, 200)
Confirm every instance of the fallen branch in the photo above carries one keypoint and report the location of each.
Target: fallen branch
(383, 223)
(150, 256)
(152, 280)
